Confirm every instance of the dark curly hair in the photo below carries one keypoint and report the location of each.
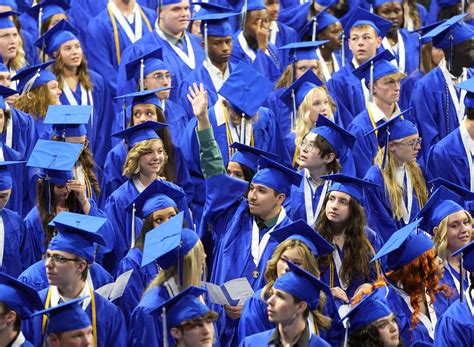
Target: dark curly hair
(367, 336)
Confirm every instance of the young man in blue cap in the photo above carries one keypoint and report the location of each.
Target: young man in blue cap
(67, 262)
(364, 32)
(438, 108)
(118, 26)
(451, 158)
(295, 295)
(18, 302)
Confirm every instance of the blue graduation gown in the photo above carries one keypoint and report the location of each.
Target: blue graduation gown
(261, 339)
(266, 136)
(346, 89)
(29, 47)
(176, 65)
(269, 66)
(406, 91)
(24, 132)
(19, 182)
(285, 35)
(16, 247)
(35, 276)
(99, 132)
(412, 50)
(100, 45)
(111, 330)
(281, 111)
(376, 242)
(82, 11)
(447, 159)
(378, 208)
(295, 16)
(43, 131)
(449, 276)
(139, 281)
(456, 326)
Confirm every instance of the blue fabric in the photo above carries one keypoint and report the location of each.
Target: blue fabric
(456, 326)
(406, 91)
(29, 47)
(110, 323)
(138, 282)
(448, 279)
(412, 50)
(378, 208)
(19, 183)
(295, 16)
(24, 132)
(35, 276)
(261, 339)
(100, 45)
(16, 247)
(280, 110)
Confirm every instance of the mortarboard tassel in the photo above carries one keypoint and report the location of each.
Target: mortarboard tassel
(180, 269)
(243, 17)
(142, 73)
(461, 282)
(132, 243)
(293, 115)
(315, 25)
(48, 191)
(371, 81)
(420, 63)
(450, 56)
(463, 6)
(29, 84)
(242, 130)
(165, 327)
(294, 65)
(343, 49)
(206, 44)
(124, 115)
(40, 19)
(346, 333)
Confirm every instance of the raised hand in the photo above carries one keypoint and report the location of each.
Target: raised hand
(262, 35)
(198, 98)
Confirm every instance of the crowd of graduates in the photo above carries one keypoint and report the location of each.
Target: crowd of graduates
(236, 173)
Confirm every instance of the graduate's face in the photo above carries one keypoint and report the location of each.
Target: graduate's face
(405, 150)
(54, 91)
(143, 113)
(219, 49)
(5, 79)
(333, 34)
(60, 192)
(159, 79)
(76, 338)
(152, 162)
(235, 170)
(163, 215)
(387, 90)
(337, 207)
(263, 200)
(291, 254)
(175, 18)
(4, 197)
(63, 273)
(9, 42)
(320, 105)
(282, 307)
(199, 335)
(273, 7)
(304, 65)
(310, 157)
(55, 19)
(388, 330)
(252, 23)
(363, 43)
(196, 28)
(71, 53)
(393, 12)
(459, 230)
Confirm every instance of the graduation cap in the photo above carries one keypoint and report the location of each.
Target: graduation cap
(441, 204)
(318, 22)
(404, 246)
(140, 132)
(168, 243)
(249, 156)
(67, 316)
(363, 17)
(5, 21)
(276, 176)
(368, 310)
(145, 64)
(77, 234)
(301, 284)
(305, 50)
(300, 230)
(396, 128)
(5, 176)
(466, 261)
(377, 3)
(3, 67)
(468, 85)
(68, 120)
(168, 2)
(5, 92)
(350, 185)
(22, 298)
(46, 9)
(446, 3)
(466, 194)
(246, 89)
(33, 76)
(337, 137)
(60, 33)
(294, 95)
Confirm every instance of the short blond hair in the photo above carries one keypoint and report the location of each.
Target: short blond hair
(363, 27)
(132, 165)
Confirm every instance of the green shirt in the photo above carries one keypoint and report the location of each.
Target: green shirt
(212, 163)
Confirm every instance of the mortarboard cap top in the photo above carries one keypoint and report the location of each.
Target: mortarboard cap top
(276, 176)
(350, 185)
(249, 156)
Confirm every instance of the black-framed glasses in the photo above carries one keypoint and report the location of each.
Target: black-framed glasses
(162, 76)
(413, 144)
(59, 259)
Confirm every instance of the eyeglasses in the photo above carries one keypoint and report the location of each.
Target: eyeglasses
(59, 259)
(310, 145)
(413, 144)
(160, 77)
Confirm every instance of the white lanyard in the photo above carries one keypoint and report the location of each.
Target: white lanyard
(458, 102)
(188, 59)
(86, 98)
(401, 52)
(457, 285)
(311, 323)
(2, 157)
(338, 263)
(171, 287)
(409, 190)
(259, 247)
(9, 135)
(324, 67)
(466, 138)
(2, 240)
(469, 302)
(242, 135)
(362, 82)
(132, 36)
(273, 32)
(428, 321)
(308, 199)
(19, 341)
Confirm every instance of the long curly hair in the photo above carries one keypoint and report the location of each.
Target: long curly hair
(393, 189)
(7, 114)
(82, 72)
(417, 278)
(441, 237)
(357, 253)
(132, 162)
(36, 101)
(309, 263)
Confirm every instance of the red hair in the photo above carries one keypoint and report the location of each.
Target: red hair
(416, 277)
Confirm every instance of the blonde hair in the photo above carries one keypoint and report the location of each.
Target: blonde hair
(192, 269)
(36, 101)
(394, 191)
(19, 59)
(303, 121)
(309, 263)
(58, 68)
(132, 163)
(363, 27)
(441, 236)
